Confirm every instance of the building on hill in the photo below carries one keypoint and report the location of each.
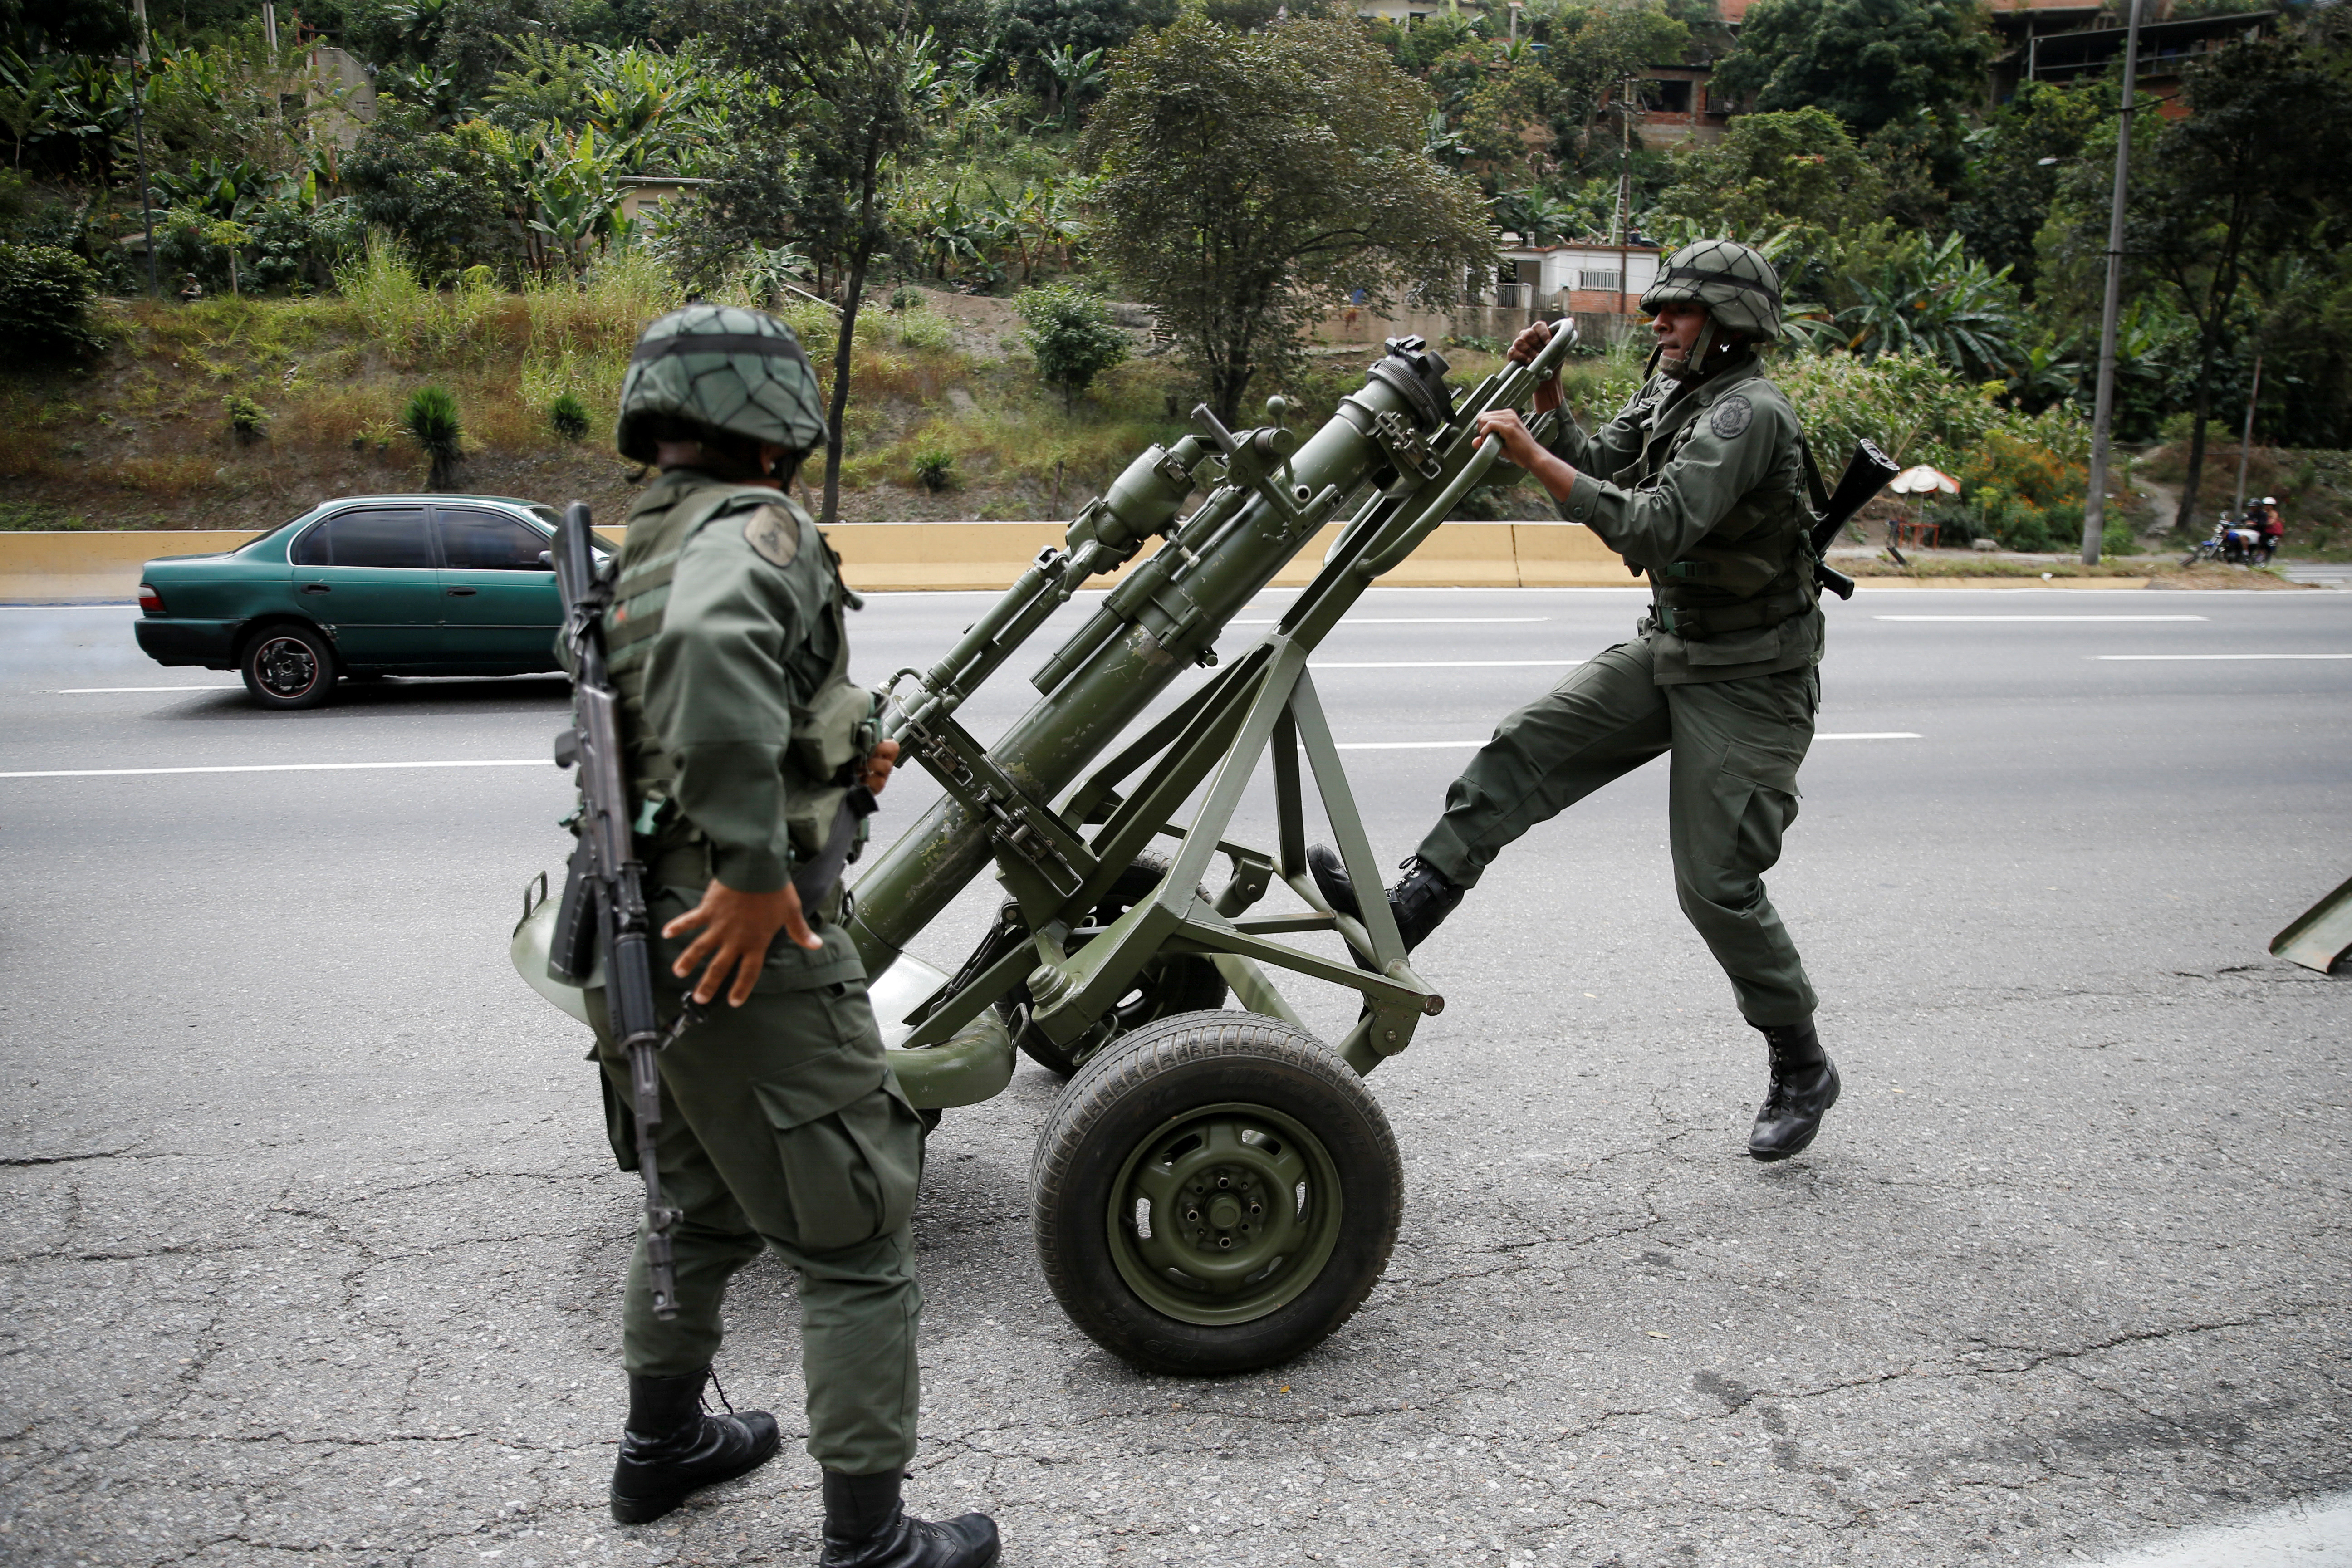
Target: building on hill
(1599, 285)
(2066, 40)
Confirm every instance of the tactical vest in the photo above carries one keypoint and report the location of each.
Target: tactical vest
(832, 727)
(1753, 571)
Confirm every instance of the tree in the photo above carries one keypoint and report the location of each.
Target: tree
(69, 27)
(836, 100)
(2235, 187)
(1869, 62)
(1249, 179)
(1025, 35)
(2014, 162)
(1791, 182)
(444, 193)
(1072, 336)
(44, 296)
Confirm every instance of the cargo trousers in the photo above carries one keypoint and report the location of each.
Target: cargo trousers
(782, 1127)
(1734, 748)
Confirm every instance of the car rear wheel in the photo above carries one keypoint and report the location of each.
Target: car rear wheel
(289, 667)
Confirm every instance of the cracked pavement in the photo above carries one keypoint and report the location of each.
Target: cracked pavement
(316, 1243)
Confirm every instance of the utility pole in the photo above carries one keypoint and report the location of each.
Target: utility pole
(1625, 218)
(2246, 437)
(139, 132)
(2103, 413)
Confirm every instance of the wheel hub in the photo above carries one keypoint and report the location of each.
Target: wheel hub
(286, 667)
(1224, 1214)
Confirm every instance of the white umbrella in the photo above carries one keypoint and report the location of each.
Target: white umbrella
(1924, 480)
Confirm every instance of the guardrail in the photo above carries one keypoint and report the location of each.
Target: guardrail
(882, 557)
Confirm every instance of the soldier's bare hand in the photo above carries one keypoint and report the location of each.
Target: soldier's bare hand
(1519, 445)
(878, 764)
(1528, 344)
(737, 928)
(1518, 441)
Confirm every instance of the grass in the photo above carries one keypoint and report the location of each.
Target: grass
(141, 435)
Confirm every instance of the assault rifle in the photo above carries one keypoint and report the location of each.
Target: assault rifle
(605, 894)
(1866, 473)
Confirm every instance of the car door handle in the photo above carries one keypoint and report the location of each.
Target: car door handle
(462, 593)
(316, 588)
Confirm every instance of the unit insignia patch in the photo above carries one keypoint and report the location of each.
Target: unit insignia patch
(774, 533)
(1731, 416)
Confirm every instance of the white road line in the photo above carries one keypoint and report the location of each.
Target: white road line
(279, 768)
(106, 691)
(1417, 621)
(2149, 658)
(1446, 664)
(1465, 745)
(2041, 618)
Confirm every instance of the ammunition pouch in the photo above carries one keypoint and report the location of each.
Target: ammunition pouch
(1698, 625)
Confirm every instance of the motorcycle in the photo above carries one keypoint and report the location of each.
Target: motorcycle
(2233, 544)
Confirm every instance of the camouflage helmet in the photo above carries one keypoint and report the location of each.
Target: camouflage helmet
(716, 367)
(1738, 286)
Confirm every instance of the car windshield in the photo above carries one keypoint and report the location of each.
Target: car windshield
(553, 518)
(266, 534)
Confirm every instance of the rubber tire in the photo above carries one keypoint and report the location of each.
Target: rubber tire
(323, 666)
(1181, 982)
(1133, 1088)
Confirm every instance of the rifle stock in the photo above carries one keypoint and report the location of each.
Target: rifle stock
(1866, 473)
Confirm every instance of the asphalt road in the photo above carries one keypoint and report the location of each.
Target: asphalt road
(315, 1243)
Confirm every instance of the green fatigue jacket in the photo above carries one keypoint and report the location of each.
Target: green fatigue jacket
(719, 640)
(1714, 471)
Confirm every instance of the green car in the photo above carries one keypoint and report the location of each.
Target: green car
(363, 587)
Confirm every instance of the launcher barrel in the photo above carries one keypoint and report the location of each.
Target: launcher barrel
(1267, 496)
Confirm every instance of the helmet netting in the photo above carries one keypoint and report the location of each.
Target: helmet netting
(768, 396)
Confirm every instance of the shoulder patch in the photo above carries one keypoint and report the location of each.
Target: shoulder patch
(774, 533)
(1731, 416)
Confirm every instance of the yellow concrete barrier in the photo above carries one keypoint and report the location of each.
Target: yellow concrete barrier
(886, 557)
(36, 568)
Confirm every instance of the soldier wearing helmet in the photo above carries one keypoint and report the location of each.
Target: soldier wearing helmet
(782, 1125)
(1701, 483)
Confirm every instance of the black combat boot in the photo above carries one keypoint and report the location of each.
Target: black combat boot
(866, 1527)
(670, 1448)
(1804, 1085)
(1421, 899)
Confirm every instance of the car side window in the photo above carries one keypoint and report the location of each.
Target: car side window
(369, 536)
(486, 541)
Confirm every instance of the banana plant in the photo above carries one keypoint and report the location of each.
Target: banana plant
(28, 100)
(1934, 301)
(1071, 76)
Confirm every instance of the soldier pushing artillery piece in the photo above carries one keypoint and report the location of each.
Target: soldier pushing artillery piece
(1702, 482)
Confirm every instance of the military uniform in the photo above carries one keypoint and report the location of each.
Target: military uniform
(781, 1124)
(1705, 491)
(1701, 482)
